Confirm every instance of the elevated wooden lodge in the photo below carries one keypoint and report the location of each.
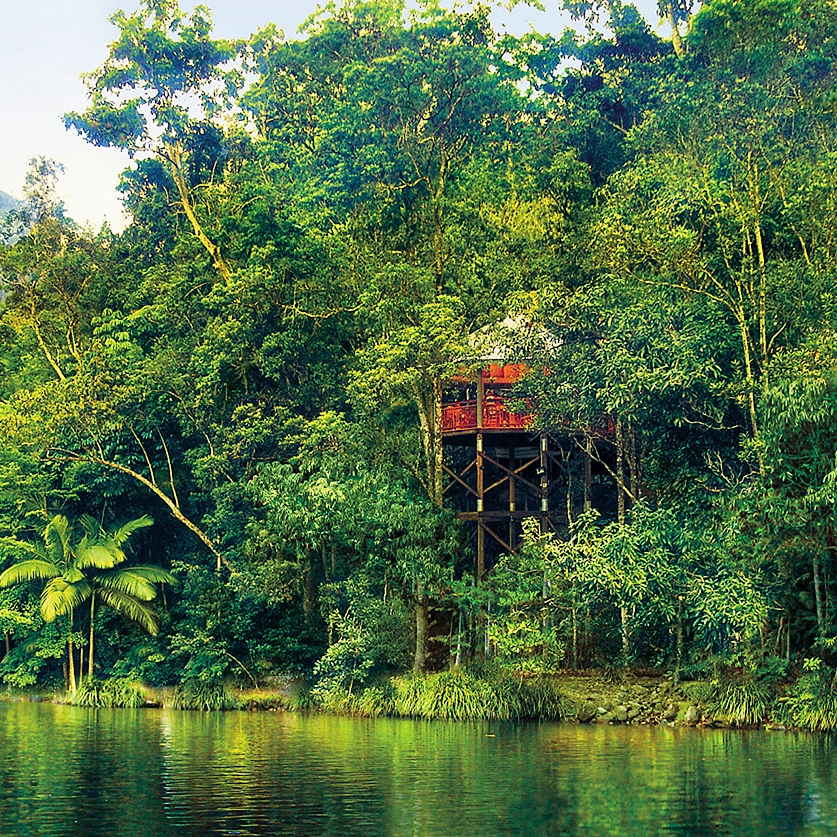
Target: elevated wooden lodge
(501, 470)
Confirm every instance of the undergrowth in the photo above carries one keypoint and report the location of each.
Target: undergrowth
(204, 695)
(743, 703)
(455, 695)
(115, 692)
(812, 701)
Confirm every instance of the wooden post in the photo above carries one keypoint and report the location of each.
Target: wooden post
(480, 506)
(480, 400)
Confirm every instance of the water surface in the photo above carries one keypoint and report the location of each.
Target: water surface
(72, 771)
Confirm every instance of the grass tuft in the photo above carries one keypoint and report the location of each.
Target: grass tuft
(744, 703)
(199, 694)
(542, 698)
(115, 692)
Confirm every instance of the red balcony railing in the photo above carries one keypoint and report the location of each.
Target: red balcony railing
(462, 415)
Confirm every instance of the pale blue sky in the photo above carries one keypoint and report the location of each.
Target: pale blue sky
(44, 48)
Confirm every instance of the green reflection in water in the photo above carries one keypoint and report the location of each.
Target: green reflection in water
(69, 771)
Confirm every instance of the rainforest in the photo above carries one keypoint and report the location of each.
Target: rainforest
(227, 462)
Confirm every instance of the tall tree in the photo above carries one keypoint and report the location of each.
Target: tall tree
(413, 105)
(163, 82)
(711, 204)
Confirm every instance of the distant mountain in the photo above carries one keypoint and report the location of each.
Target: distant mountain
(7, 202)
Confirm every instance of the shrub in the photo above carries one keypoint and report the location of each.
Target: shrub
(454, 695)
(409, 696)
(115, 692)
(743, 703)
(812, 701)
(375, 701)
(331, 697)
(542, 698)
(202, 694)
(703, 691)
(460, 695)
(301, 701)
(260, 702)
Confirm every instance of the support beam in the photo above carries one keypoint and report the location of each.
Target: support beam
(459, 480)
(480, 493)
(485, 528)
(523, 480)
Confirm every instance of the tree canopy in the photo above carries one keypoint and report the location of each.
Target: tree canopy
(327, 233)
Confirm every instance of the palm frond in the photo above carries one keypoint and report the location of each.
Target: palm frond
(35, 568)
(72, 575)
(131, 608)
(60, 597)
(154, 574)
(120, 535)
(90, 525)
(127, 582)
(100, 555)
(57, 538)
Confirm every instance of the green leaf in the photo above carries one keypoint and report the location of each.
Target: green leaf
(28, 571)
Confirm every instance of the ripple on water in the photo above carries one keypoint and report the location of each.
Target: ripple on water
(69, 771)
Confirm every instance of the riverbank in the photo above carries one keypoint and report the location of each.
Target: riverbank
(458, 694)
(581, 697)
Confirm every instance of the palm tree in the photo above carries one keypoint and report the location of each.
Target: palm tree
(87, 569)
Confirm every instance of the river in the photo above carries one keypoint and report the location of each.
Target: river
(70, 771)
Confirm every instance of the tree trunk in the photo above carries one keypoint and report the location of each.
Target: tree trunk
(158, 492)
(72, 662)
(788, 642)
(620, 473)
(676, 38)
(588, 474)
(626, 640)
(429, 405)
(437, 450)
(309, 596)
(818, 596)
(633, 463)
(90, 649)
(751, 383)
(458, 658)
(575, 632)
(422, 607)
(218, 261)
(678, 641)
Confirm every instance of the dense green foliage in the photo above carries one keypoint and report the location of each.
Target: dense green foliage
(322, 232)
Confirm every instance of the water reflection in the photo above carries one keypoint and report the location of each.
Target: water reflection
(70, 771)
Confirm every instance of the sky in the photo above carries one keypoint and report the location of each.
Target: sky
(44, 49)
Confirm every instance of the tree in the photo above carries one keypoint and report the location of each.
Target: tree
(156, 94)
(674, 12)
(712, 204)
(86, 569)
(391, 124)
(357, 525)
(50, 275)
